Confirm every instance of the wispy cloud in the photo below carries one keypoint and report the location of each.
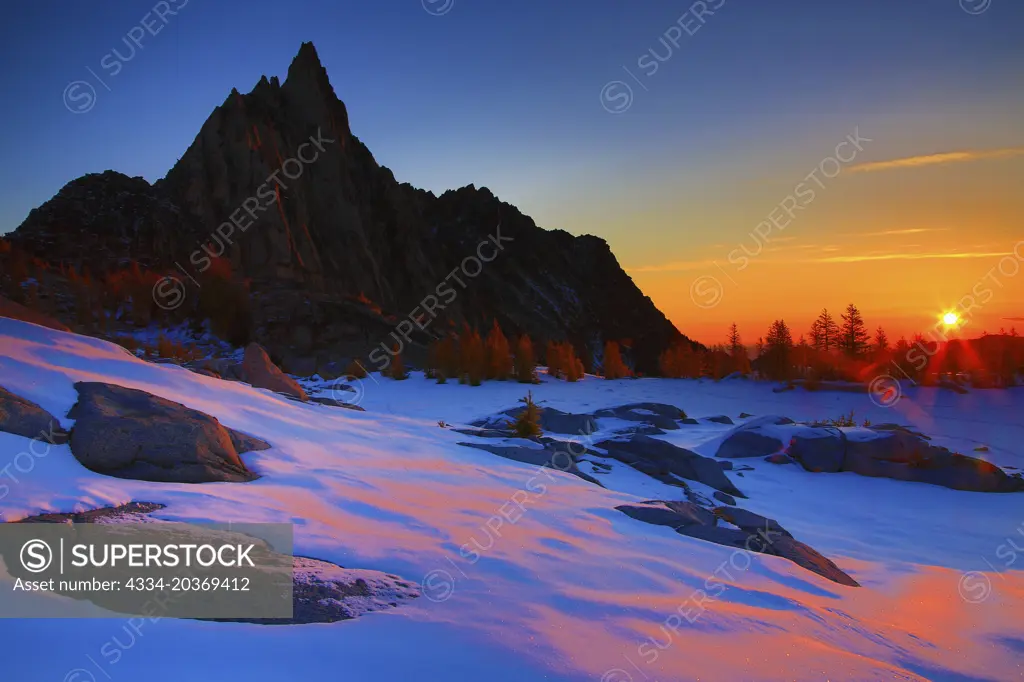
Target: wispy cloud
(909, 256)
(683, 266)
(884, 233)
(935, 159)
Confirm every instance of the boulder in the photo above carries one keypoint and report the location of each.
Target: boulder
(748, 443)
(24, 418)
(905, 457)
(258, 370)
(548, 456)
(659, 415)
(654, 515)
(723, 498)
(675, 515)
(721, 419)
(809, 558)
(765, 536)
(557, 421)
(748, 520)
(819, 450)
(693, 513)
(128, 433)
(676, 460)
(728, 537)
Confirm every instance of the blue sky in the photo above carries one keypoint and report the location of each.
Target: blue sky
(507, 95)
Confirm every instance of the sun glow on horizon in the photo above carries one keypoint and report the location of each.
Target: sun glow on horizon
(950, 319)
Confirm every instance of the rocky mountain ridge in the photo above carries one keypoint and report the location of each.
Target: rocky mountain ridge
(276, 183)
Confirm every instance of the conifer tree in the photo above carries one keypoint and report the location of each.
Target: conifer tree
(853, 336)
(881, 342)
(499, 355)
(778, 351)
(472, 363)
(524, 361)
(824, 332)
(527, 423)
(552, 355)
(614, 367)
(735, 343)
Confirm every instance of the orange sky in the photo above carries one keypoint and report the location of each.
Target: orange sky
(904, 230)
(903, 238)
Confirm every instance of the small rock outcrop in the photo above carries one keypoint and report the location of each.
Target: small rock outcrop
(551, 420)
(24, 418)
(129, 433)
(653, 456)
(749, 440)
(258, 370)
(745, 530)
(551, 456)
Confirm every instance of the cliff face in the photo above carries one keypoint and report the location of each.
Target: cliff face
(277, 183)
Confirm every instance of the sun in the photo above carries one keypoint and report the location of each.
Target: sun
(950, 319)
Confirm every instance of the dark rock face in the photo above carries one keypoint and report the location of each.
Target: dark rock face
(107, 220)
(752, 532)
(338, 226)
(24, 418)
(650, 454)
(778, 458)
(129, 433)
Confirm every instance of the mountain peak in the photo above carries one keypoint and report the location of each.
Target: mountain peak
(307, 57)
(306, 75)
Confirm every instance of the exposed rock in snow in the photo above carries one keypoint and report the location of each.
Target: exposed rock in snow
(258, 370)
(752, 533)
(646, 454)
(24, 418)
(128, 433)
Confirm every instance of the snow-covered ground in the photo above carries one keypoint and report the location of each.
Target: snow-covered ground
(533, 575)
